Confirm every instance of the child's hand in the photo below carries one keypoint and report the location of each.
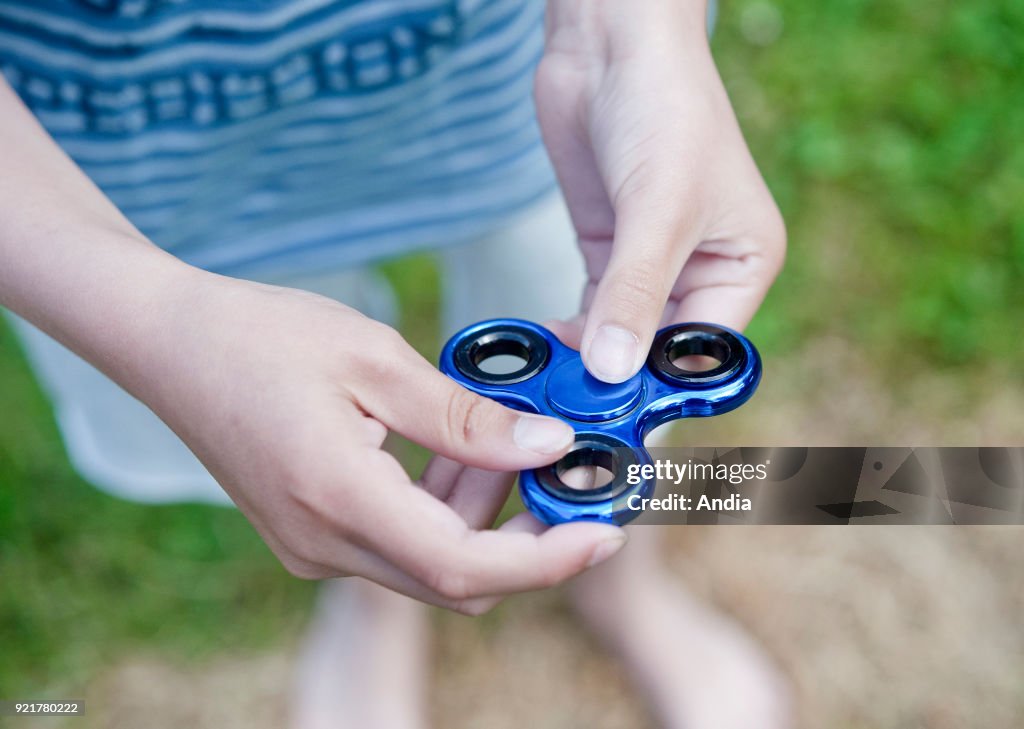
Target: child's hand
(674, 220)
(286, 397)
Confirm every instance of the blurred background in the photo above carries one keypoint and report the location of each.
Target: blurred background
(890, 134)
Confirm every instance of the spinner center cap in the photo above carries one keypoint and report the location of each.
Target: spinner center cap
(577, 394)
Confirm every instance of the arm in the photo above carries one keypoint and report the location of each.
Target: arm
(673, 217)
(285, 397)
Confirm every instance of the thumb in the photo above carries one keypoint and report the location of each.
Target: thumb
(414, 399)
(653, 239)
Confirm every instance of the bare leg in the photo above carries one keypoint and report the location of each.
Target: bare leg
(363, 662)
(698, 668)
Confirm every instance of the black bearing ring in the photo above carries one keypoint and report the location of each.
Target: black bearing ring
(590, 449)
(696, 339)
(502, 339)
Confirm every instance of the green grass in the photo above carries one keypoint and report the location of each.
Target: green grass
(890, 133)
(85, 577)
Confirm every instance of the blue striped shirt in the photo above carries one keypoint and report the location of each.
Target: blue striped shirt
(257, 135)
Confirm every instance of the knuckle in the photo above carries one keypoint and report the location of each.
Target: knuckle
(452, 585)
(638, 291)
(382, 360)
(304, 551)
(775, 229)
(468, 416)
(304, 491)
(774, 241)
(324, 505)
(302, 568)
(390, 341)
(557, 72)
(550, 71)
(549, 577)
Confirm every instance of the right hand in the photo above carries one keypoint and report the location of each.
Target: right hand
(286, 397)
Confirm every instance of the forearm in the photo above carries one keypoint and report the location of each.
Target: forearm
(70, 262)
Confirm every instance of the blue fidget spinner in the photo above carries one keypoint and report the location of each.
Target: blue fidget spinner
(611, 421)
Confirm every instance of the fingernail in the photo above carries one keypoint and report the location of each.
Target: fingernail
(613, 353)
(542, 435)
(606, 549)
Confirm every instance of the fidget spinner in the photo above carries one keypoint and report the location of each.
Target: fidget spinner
(610, 420)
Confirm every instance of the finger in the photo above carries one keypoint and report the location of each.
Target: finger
(479, 496)
(473, 493)
(384, 573)
(339, 519)
(654, 235)
(377, 569)
(525, 523)
(439, 477)
(580, 478)
(411, 397)
(733, 306)
(428, 541)
(725, 282)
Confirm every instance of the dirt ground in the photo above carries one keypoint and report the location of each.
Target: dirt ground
(877, 626)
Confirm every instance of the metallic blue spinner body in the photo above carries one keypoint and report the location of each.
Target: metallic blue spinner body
(611, 420)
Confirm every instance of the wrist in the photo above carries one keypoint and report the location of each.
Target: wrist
(137, 336)
(105, 292)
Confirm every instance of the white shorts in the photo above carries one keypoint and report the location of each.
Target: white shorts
(530, 268)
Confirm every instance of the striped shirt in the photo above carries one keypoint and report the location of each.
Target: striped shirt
(269, 135)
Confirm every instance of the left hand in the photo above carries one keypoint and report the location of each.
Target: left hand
(673, 217)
